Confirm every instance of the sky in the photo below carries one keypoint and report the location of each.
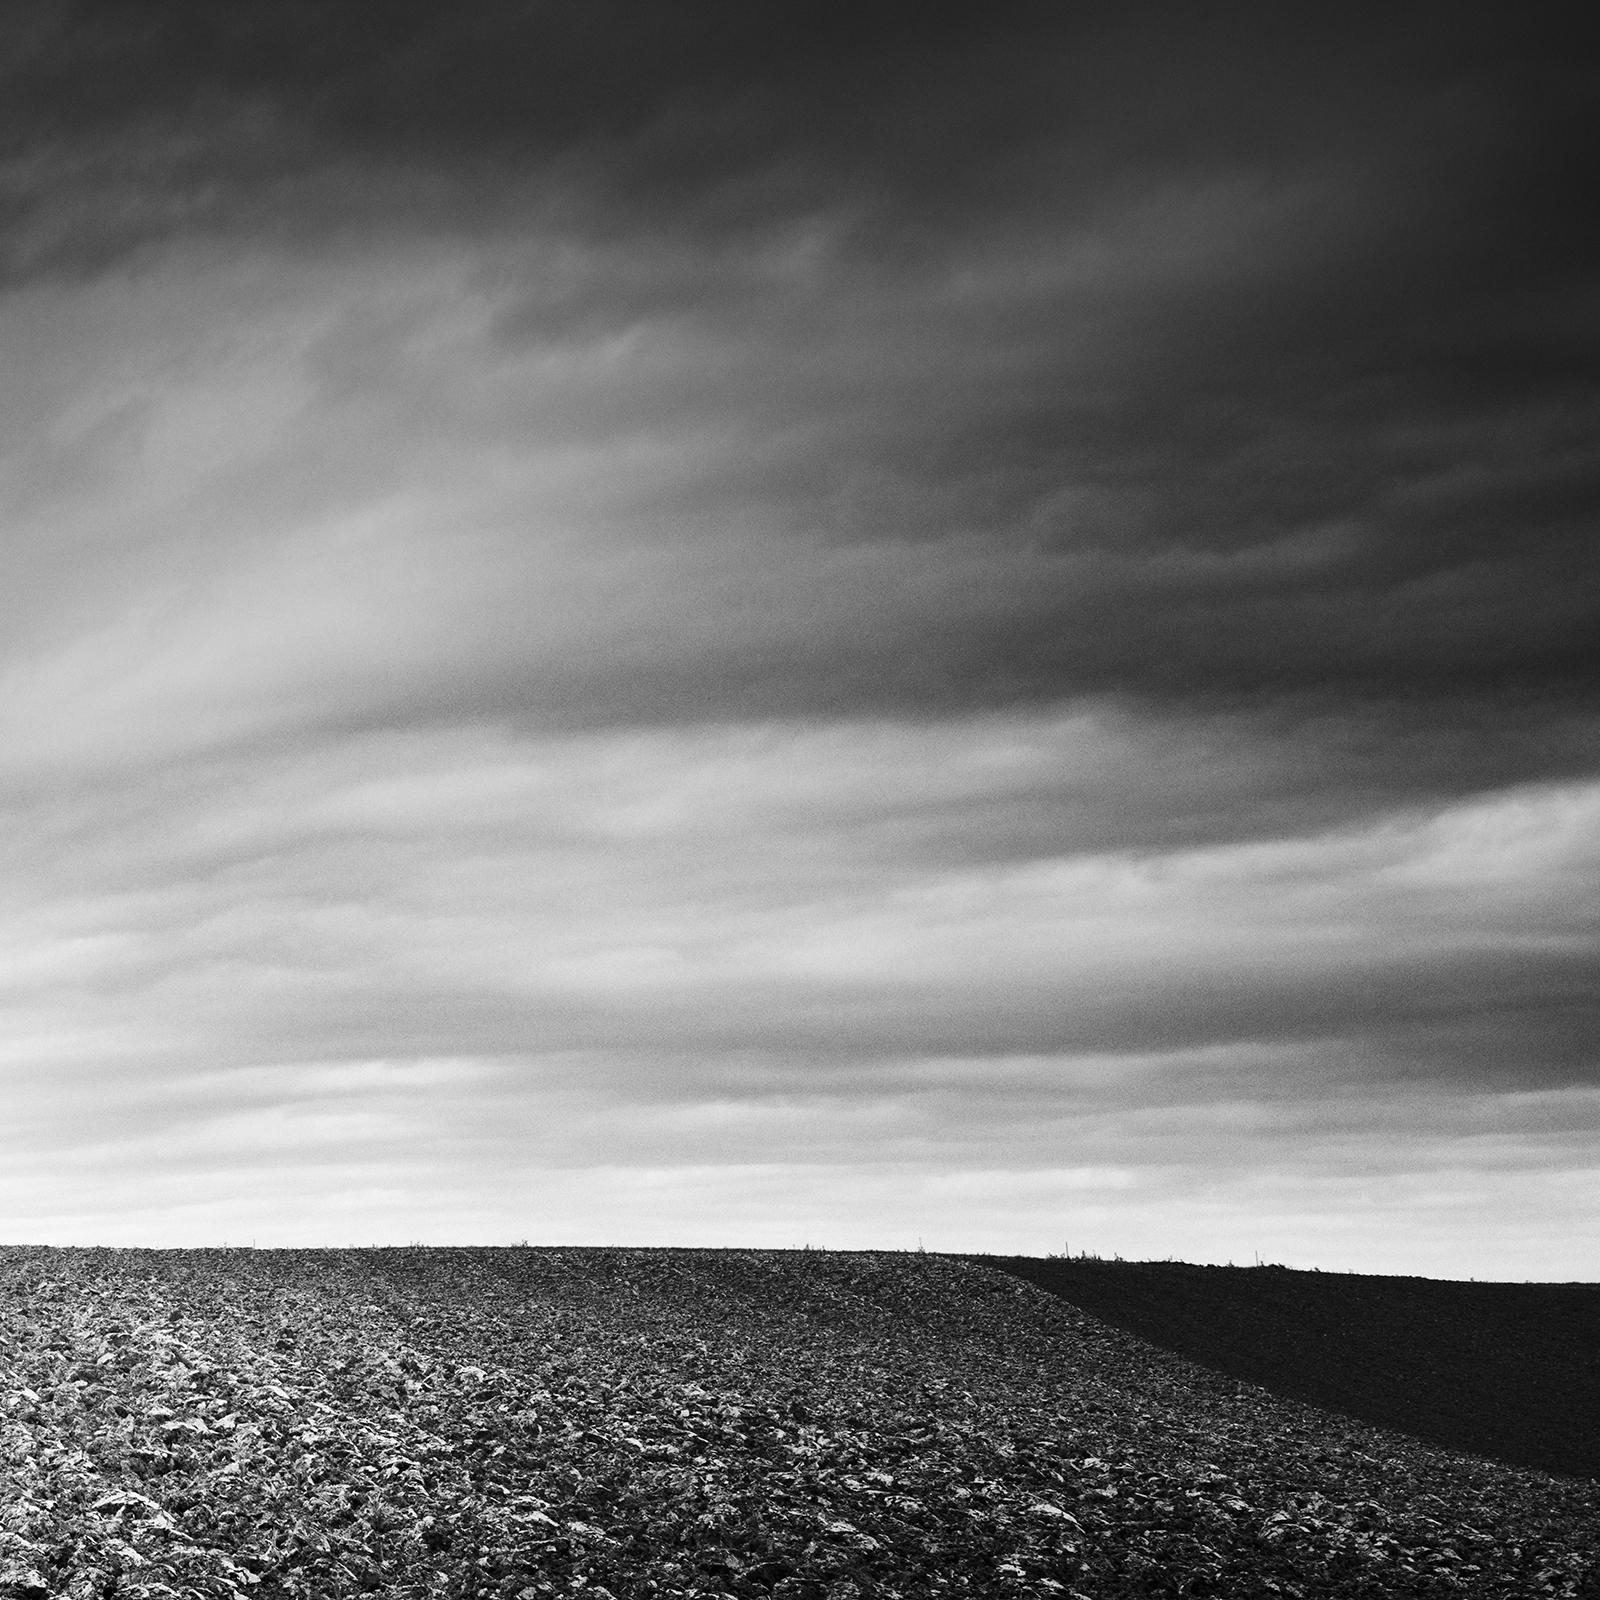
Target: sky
(802, 624)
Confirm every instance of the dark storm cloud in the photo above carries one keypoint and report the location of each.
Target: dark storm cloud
(186, 114)
(1250, 358)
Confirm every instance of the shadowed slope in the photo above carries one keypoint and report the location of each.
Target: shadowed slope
(1510, 1370)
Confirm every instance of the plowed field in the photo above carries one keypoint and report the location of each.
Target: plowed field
(537, 1422)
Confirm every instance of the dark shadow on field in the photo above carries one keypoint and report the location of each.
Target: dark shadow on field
(1509, 1370)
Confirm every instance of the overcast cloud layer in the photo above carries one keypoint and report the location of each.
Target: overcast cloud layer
(729, 624)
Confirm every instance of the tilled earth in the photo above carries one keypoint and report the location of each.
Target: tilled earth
(534, 1422)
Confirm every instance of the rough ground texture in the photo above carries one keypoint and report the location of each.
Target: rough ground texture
(1510, 1370)
(650, 1423)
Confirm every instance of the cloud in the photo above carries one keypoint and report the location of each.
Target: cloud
(393, 962)
(415, 516)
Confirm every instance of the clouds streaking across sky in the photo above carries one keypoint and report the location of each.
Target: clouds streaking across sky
(751, 625)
